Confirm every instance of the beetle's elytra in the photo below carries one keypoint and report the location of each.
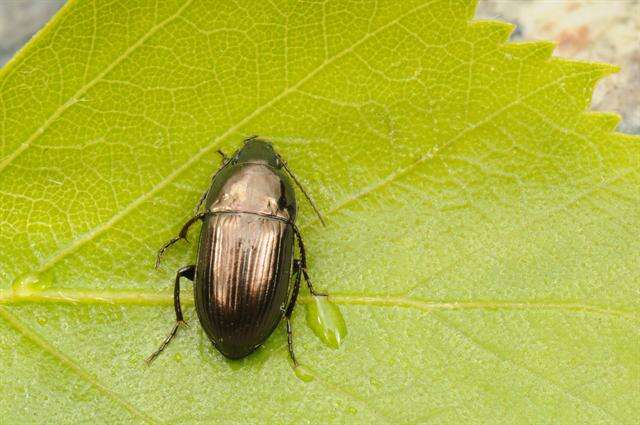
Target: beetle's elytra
(246, 253)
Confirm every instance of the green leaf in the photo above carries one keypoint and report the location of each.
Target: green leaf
(482, 238)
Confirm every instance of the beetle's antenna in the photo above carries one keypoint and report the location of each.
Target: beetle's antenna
(297, 182)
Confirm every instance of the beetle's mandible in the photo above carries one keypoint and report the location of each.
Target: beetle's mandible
(246, 253)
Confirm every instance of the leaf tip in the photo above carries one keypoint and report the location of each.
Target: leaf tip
(497, 31)
(533, 50)
(605, 121)
(471, 9)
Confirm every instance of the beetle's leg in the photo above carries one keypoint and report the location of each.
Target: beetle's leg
(303, 264)
(224, 156)
(201, 201)
(297, 267)
(225, 160)
(186, 272)
(181, 235)
(295, 179)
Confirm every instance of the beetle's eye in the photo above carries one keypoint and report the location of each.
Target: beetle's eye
(282, 202)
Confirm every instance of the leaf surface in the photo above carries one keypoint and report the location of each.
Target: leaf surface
(482, 226)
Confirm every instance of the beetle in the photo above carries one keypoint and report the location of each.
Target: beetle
(246, 252)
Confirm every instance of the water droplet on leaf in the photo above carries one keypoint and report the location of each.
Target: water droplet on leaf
(303, 373)
(31, 282)
(326, 321)
(234, 364)
(24, 282)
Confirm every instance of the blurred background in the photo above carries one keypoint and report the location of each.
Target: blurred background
(594, 30)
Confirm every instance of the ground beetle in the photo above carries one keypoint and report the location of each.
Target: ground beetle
(245, 255)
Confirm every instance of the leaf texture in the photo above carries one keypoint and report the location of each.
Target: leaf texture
(482, 224)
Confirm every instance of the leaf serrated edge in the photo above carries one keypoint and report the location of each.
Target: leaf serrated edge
(32, 43)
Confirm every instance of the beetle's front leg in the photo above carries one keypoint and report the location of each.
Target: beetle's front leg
(201, 201)
(186, 272)
(225, 158)
(181, 235)
(303, 264)
(225, 161)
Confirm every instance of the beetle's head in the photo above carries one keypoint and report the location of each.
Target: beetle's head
(259, 151)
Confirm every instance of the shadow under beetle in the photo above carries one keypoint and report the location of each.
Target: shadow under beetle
(245, 255)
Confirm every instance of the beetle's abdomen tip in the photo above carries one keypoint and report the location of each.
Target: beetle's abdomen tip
(236, 352)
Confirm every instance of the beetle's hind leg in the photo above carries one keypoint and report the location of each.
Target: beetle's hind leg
(303, 264)
(186, 272)
(297, 267)
(181, 235)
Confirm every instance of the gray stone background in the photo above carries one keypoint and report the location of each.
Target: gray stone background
(594, 30)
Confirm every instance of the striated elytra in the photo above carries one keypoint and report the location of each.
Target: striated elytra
(246, 253)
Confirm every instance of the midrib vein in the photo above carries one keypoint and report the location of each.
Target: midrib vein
(71, 365)
(72, 296)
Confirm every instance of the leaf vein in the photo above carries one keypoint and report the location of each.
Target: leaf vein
(338, 390)
(71, 365)
(536, 219)
(78, 94)
(71, 296)
(432, 153)
(526, 369)
(96, 231)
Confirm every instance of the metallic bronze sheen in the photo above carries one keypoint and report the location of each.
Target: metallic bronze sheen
(246, 251)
